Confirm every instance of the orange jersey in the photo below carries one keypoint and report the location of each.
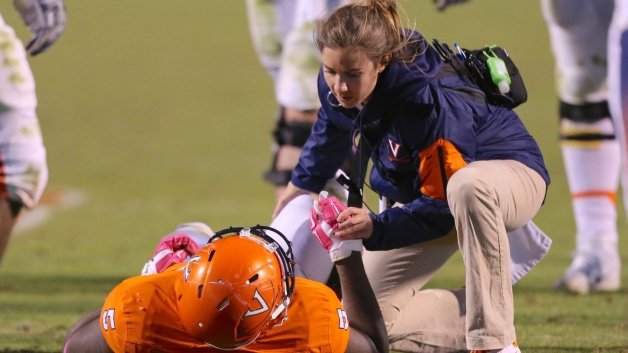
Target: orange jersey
(140, 315)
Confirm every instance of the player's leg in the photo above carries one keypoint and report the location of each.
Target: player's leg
(8, 216)
(23, 164)
(294, 222)
(269, 22)
(593, 167)
(282, 35)
(618, 83)
(22, 154)
(278, 30)
(368, 332)
(292, 128)
(85, 336)
(296, 88)
(588, 138)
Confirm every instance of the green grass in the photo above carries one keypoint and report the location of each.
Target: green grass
(158, 112)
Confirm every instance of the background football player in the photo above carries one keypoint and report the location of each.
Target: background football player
(22, 154)
(582, 34)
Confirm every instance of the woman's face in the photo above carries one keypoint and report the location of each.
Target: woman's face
(350, 75)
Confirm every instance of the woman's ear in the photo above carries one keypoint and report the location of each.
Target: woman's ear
(384, 62)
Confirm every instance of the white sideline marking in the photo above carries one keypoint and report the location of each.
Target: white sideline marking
(30, 219)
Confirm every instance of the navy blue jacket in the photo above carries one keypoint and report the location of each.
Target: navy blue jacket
(431, 125)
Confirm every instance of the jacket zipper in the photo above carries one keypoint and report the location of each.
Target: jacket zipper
(443, 174)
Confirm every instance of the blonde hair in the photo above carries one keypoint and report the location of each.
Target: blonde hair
(372, 26)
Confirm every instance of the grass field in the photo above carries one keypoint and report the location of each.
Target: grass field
(157, 112)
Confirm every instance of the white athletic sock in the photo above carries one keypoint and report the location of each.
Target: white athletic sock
(592, 169)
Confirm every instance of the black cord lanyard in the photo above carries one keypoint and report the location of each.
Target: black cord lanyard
(358, 172)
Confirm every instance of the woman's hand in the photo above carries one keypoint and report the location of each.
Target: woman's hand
(354, 223)
(287, 195)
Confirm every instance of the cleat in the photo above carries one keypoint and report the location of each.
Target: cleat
(588, 273)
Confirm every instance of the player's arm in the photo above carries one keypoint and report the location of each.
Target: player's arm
(178, 246)
(368, 332)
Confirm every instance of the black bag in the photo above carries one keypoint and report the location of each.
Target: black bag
(474, 65)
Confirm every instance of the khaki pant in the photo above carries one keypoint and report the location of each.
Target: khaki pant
(487, 199)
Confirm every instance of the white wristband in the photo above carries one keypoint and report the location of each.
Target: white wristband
(343, 249)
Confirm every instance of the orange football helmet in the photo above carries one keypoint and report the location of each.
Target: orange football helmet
(236, 287)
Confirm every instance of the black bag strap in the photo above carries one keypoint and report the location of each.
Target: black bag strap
(472, 66)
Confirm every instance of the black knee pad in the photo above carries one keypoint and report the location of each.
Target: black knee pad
(290, 134)
(587, 113)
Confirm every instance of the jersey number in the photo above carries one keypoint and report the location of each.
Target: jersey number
(108, 319)
(343, 321)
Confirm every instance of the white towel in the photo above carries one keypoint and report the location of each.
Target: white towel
(528, 245)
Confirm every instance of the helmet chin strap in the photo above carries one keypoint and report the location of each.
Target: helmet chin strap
(283, 306)
(280, 309)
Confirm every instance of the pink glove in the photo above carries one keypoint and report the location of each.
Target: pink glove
(172, 249)
(323, 221)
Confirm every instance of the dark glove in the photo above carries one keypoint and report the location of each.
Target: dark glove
(45, 19)
(441, 5)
